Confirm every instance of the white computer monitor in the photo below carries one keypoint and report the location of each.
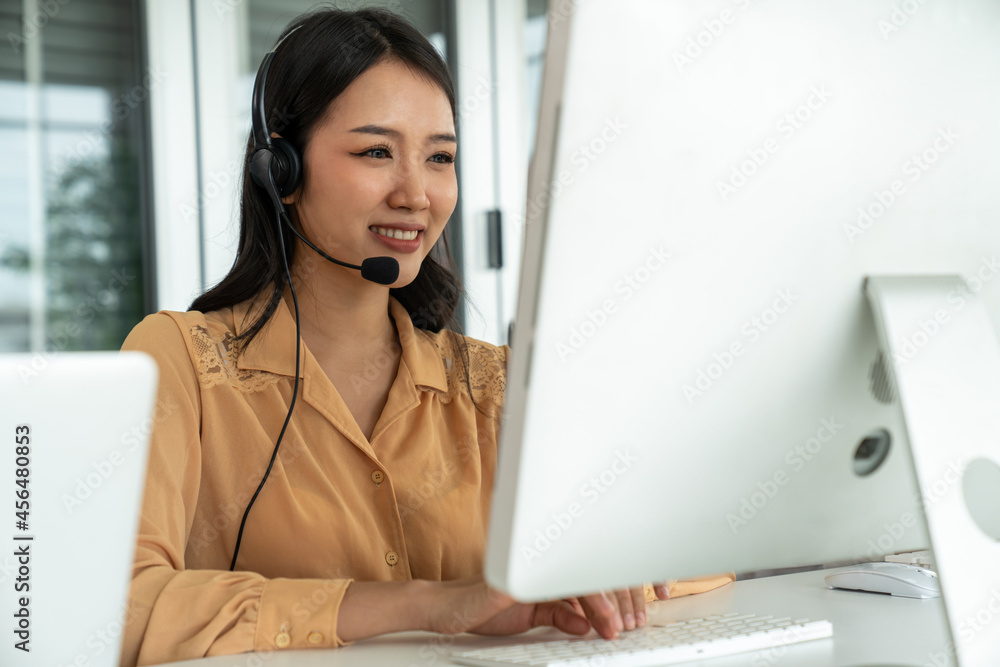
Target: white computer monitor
(696, 382)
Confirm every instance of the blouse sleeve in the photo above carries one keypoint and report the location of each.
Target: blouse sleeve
(178, 614)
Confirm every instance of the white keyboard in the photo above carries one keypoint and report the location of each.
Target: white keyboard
(655, 644)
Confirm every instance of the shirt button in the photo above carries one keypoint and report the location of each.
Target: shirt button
(315, 637)
(282, 640)
(377, 476)
(392, 558)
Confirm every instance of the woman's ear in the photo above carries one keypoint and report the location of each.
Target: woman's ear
(293, 198)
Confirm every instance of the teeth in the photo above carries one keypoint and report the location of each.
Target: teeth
(395, 233)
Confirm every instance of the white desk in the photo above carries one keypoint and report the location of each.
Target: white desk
(868, 630)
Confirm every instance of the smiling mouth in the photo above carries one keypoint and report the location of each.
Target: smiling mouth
(395, 233)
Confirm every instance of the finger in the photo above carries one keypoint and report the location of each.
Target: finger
(602, 614)
(576, 606)
(625, 608)
(639, 605)
(662, 591)
(561, 615)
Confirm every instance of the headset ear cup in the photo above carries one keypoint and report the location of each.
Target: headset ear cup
(287, 167)
(262, 161)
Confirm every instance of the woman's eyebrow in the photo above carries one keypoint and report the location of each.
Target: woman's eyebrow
(444, 137)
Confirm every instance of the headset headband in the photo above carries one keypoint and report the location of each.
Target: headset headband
(258, 114)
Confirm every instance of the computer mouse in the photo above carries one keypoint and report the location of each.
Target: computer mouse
(899, 579)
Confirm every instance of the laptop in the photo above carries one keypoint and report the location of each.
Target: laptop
(75, 432)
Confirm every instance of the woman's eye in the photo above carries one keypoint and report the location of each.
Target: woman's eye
(443, 158)
(377, 152)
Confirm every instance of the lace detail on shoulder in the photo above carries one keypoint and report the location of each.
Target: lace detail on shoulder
(486, 374)
(217, 364)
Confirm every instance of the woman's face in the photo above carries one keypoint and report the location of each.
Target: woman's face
(379, 170)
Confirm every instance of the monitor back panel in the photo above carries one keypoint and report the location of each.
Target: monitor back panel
(694, 363)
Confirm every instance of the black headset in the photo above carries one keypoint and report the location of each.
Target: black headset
(275, 164)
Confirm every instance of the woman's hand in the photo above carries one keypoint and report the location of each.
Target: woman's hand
(610, 613)
(371, 608)
(470, 605)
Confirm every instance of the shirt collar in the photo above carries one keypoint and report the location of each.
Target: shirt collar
(273, 349)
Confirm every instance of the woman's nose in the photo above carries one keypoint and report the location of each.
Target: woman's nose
(410, 191)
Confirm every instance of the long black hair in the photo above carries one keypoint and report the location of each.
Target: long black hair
(329, 49)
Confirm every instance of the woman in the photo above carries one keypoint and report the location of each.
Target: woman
(372, 518)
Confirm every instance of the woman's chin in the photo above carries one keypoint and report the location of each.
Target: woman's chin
(403, 280)
(409, 268)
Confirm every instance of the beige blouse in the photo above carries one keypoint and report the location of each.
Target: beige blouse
(411, 503)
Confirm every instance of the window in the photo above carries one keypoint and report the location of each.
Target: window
(72, 181)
